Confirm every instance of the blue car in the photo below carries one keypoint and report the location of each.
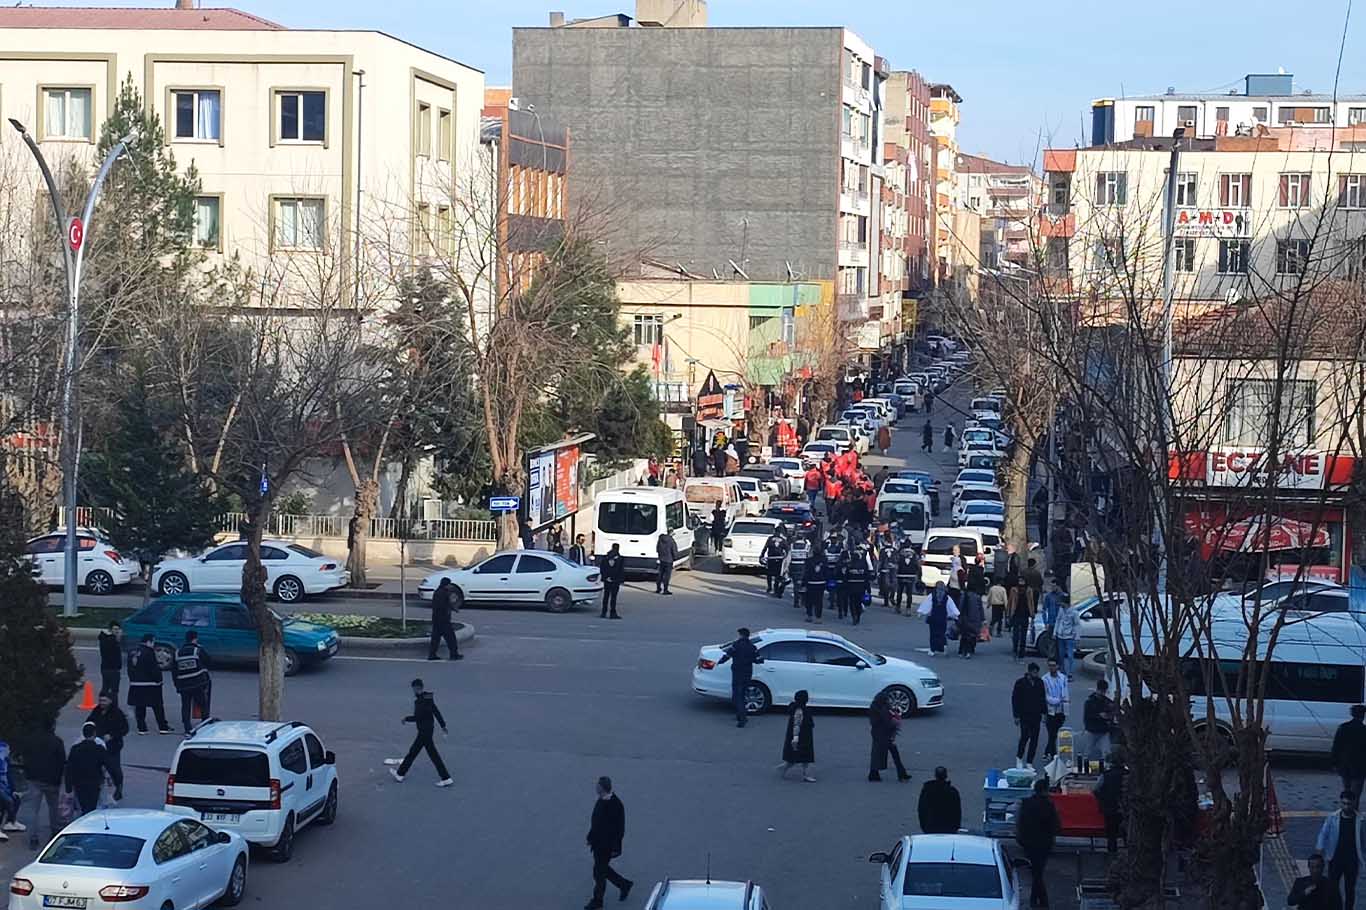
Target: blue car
(226, 631)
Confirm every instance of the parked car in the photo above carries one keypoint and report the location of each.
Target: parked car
(938, 551)
(133, 858)
(757, 496)
(968, 511)
(634, 518)
(836, 672)
(701, 496)
(796, 515)
(792, 469)
(947, 872)
(226, 630)
(293, 571)
(519, 577)
(745, 541)
(1092, 634)
(843, 437)
(260, 781)
(972, 477)
(773, 479)
(928, 482)
(706, 894)
(100, 567)
(817, 450)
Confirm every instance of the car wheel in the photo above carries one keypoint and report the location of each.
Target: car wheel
(1046, 646)
(289, 590)
(329, 813)
(284, 847)
(237, 884)
(173, 583)
(457, 598)
(901, 700)
(558, 601)
(99, 582)
(292, 662)
(165, 656)
(757, 698)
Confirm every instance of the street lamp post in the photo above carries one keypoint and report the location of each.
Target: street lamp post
(73, 255)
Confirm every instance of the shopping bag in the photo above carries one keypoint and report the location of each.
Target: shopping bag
(984, 635)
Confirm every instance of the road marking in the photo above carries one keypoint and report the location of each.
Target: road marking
(1304, 813)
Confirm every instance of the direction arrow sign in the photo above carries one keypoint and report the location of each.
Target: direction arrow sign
(75, 234)
(504, 503)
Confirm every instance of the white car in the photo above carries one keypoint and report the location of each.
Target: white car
(977, 492)
(133, 858)
(979, 511)
(792, 469)
(902, 486)
(1092, 634)
(844, 437)
(100, 568)
(520, 577)
(706, 894)
(293, 571)
(745, 541)
(816, 451)
(258, 780)
(974, 477)
(947, 872)
(836, 672)
(757, 496)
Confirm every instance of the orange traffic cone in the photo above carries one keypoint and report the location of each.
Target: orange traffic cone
(88, 700)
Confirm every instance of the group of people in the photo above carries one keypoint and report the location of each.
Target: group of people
(849, 494)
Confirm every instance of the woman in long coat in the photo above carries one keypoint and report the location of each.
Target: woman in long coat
(799, 746)
(970, 623)
(938, 609)
(884, 729)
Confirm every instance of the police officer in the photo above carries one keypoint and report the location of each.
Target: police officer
(742, 656)
(144, 686)
(856, 583)
(834, 572)
(886, 573)
(190, 673)
(813, 583)
(775, 548)
(907, 575)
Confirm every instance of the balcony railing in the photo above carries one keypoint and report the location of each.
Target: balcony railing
(854, 245)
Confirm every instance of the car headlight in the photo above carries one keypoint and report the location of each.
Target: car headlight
(930, 682)
(322, 645)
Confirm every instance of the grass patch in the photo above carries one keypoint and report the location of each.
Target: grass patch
(367, 626)
(97, 618)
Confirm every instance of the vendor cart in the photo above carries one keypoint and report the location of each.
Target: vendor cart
(1000, 803)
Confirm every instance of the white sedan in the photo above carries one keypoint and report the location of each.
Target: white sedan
(520, 577)
(836, 672)
(293, 571)
(791, 468)
(987, 512)
(947, 872)
(100, 567)
(745, 541)
(134, 858)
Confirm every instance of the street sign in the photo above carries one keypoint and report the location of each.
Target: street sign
(504, 503)
(75, 234)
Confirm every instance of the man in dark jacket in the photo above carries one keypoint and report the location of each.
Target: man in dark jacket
(605, 834)
(718, 528)
(855, 582)
(1032, 579)
(111, 726)
(144, 686)
(666, 549)
(1349, 751)
(190, 673)
(813, 584)
(442, 627)
(1036, 828)
(907, 577)
(1314, 891)
(44, 757)
(1110, 797)
(772, 556)
(578, 553)
(613, 567)
(1097, 716)
(1028, 704)
(742, 656)
(426, 715)
(111, 659)
(941, 808)
(86, 766)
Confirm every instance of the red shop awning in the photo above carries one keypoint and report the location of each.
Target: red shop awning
(1254, 534)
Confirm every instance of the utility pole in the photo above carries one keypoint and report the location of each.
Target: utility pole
(1164, 402)
(74, 232)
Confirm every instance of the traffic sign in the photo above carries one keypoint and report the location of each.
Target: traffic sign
(504, 503)
(75, 234)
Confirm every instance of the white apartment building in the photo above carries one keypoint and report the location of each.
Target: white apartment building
(1007, 198)
(298, 135)
(858, 283)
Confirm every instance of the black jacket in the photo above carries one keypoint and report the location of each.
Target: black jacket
(1349, 748)
(577, 554)
(1027, 698)
(608, 826)
(613, 568)
(441, 606)
(143, 666)
(111, 652)
(112, 723)
(1310, 894)
(775, 548)
(86, 767)
(666, 548)
(742, 656)
(908, 565)
(718, 524)
(425, 712)
(44, 757)
(190, 672)
(1110, 790)
(941, 808)
(882, 722)
(1095, 714)
(1036, 826)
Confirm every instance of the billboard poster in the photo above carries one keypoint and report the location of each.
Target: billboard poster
(566, 481)
(540, 498)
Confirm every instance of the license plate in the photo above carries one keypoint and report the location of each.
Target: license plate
(59, 900)
(222, 818)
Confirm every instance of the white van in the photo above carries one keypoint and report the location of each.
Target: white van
(938, 552)
(635, 517)
(909, 511)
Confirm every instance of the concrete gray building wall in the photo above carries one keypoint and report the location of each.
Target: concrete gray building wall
(698, 145)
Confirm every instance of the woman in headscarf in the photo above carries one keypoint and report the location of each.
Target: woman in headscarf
(799, 747)
(938, 609)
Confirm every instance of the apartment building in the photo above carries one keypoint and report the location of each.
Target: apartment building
(957, 228)
(908, 160)
(299, 135)
(1007, 198)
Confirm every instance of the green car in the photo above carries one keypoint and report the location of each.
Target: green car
(226, 631)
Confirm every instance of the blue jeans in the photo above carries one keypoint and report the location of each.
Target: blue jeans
(811, 498)
(1066, 650)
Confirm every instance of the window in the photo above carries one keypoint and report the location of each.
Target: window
(497, 565)
(1185, 114)
(223, 768)
(46, 545)
(193, 616)
(1352, 191)
(1184, 250)
(952, 881)
(791, 651)
(1303, 115)
(533, 565)
(1143, 113)
(1234, 256)
(1055, 252)
(170, 844)
(197, 836)
(1259, 113)
(1356, 116)
(830, 655)
(789, 327)
(317, 757)
(675, 516)
(1109, 254)
(1251, 403)
(292, 757)
(1221, 115)
(198, 115)
(230, 552)
(1356, 258)
(443, 135)
(299, 224)
(943, 546)
(1111, 187)
(67, 113)
(273, 553)
(1292, 257)
(445, 229)
(1235, 191)
(424, 130)
(234, 618)
(206, 221)
(303, 116)
(1185, 189)
(1294, 191)
(647, 330)
(115, 851)
(847, 123)
(628, 518)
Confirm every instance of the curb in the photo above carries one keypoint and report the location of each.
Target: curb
(464, 632)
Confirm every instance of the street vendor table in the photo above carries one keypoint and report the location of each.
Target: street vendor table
(1000, 804)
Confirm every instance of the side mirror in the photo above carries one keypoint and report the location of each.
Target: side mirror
(223, 838)
(329, 757)
(1019, 862)
(861, 665)
(880, 858)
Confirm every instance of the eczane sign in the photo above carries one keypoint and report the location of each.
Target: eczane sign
(1253, 467)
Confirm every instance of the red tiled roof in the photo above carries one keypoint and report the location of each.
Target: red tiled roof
(131, 17)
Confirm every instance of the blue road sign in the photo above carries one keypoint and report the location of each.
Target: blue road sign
(504, 503)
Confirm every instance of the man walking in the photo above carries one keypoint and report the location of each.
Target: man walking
(144, 686)
(1055, 698)
(996, 599)
(666, 548)
(190, 673)
(111, 726)
(442, 627)
(86, 766)
(813, 582)
(1033, 584)
(613, 566)
(1066, 629)
(772, 555)
(855, 582)
(1036, 830)
(927, 438)
(1097, 717)
(44, 763)
(940, 807)
(111, 660)
(1021, 617)
(718, 528)
(606, 831)
(1340, 841)
(812, 483)
(1349, 751)
(907, 575)
(426, 715)
(1028, 702)
(742, 656)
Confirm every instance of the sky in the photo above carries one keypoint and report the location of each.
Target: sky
(1027, 72)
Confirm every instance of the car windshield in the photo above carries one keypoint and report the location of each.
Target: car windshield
(952, 880)
(943, 546)
(984, 505)
(976, 477)
(223, 767)
(901, 486)
(786, 464)
(910, 515)
(751, 527)
(978, 495)
(640, 517)
(748, 484)
(833, 433)
(305, 551)
(97, 850)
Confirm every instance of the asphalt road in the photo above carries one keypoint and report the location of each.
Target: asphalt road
(544, 704)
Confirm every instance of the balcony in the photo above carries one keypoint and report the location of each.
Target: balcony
(854, 246)
(1060, 226)
(851, 307)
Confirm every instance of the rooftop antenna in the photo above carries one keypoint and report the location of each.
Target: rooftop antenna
(790, 274)
(739, 271)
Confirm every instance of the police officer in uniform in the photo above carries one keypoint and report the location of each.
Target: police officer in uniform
(144, 686)
(190, 673)
(797, 558)
(813, 581)
(834, 572)
(907, 574)
(855, 583)
(775, 548)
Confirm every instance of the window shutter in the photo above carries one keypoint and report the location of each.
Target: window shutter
(1342, 190)
(1223, 190)
(1285, 190)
